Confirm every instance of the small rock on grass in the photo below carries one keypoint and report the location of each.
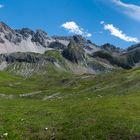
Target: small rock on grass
(46, 128)
(5, 134)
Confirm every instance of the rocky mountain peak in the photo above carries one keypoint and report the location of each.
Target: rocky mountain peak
(79, 39)
(5, 28)
(25, 32)
(41, 37)
(74, 52)
(110, 48)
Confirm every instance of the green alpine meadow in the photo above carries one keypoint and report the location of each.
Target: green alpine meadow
(61, 105)
(69, 70)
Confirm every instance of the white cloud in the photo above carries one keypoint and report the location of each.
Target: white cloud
(1, 6)
(88, 34)
(129, 9)
(74, 28)
(102, 22)
(118, 33)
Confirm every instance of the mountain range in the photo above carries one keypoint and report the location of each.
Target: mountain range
(26, 52)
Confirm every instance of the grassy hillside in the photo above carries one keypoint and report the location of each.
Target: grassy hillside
(63, 106)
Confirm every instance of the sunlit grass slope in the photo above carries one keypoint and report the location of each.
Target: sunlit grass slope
(63, 106)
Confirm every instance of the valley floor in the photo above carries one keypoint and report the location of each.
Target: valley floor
(64, 106)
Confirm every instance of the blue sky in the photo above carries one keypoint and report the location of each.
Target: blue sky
(102, 21)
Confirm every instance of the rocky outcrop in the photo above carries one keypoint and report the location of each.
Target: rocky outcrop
(57, 45)
(74, 52)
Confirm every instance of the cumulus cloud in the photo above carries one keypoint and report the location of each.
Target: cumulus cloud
(119, 33)
(74, 28)
(129, 9)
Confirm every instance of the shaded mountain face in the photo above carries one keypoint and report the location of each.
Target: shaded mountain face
(28, 51)
(132, 55)
(74, 52)
(111, 48)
